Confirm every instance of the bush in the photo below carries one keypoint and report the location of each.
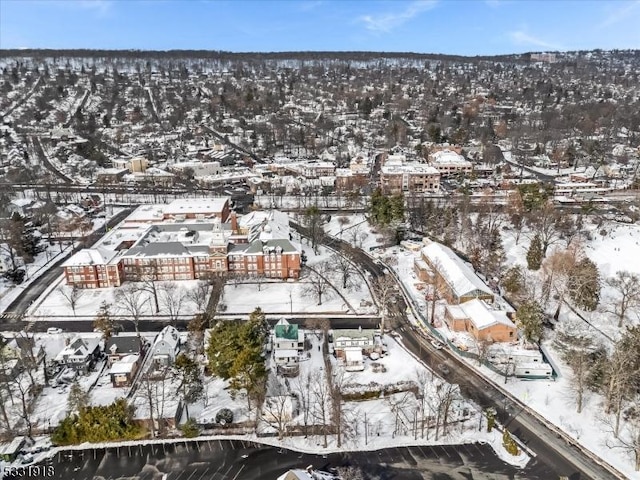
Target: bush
(98, 424)
(224, 416)
(509, 443)
(190, 428)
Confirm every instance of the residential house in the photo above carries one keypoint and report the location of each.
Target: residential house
(364, 339)
(80, 354)
(484, 323)
(165, 348)
(119, 346)
(123, 371)
(21, 206)
(460, 283)
(288, 343)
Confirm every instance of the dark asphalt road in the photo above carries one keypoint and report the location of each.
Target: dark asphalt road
(12, 315)
(244, 460)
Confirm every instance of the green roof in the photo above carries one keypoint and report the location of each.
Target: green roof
(289, 332)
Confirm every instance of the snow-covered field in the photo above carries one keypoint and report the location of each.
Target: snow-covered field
(291, 297)
(53, 302)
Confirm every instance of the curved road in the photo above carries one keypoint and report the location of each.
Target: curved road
(550, 447)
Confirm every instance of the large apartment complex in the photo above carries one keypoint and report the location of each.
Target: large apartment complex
(187, 240)
(398, 176)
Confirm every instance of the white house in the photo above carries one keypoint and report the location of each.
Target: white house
(166, 347)
(80, 354)
(288, 342)
(362, 339)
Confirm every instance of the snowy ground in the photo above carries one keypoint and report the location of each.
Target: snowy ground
(9, 292)
(290, 296)
(53, 303)
(553, 400)
(218, 396)
(354, 229)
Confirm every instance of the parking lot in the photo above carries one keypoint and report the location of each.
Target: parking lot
(245, 460)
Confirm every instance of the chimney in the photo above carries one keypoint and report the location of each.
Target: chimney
(234, 222)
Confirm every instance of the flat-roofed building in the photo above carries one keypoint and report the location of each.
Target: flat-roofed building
(399, 176)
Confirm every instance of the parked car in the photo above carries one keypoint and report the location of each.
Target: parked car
(437, 345)
(53, 330)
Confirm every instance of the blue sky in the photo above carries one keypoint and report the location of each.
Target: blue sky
(466, 27)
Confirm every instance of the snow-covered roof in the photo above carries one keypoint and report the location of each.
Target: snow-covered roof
(353, 354)
(125, 365)
(482, 316)
(80, 347)
(201, 205)
(448, 157)
(167, 339)
(412, 167)
(90, 256)
(456, 273)
(285, 352)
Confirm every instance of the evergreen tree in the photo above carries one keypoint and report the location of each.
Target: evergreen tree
(189, 377)
(235, 353)
(584, 285)
(98, 424)
(78, 398)
(534, 254)
(530, 318)
(513, 281)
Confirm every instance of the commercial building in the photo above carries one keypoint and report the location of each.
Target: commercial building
(399, 176)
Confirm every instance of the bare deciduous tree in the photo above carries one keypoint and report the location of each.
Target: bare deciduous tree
(318, 284)
(199, 295)
(322, 402)
(130, 301)
(384, 288)
(277, 408)
(172, 299)
(72, 294)
(627, 292)
(345, 269)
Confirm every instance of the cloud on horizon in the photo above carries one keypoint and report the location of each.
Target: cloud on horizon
(522, 38)
(386, 22)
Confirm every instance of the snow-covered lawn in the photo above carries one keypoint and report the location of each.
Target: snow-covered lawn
(218, 396)
(54, 303)
(290, 297)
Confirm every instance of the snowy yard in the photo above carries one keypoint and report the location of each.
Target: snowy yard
(173, 299)
(287, 297)
(218, 396)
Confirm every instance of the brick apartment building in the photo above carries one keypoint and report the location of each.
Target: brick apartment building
(189, 242)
